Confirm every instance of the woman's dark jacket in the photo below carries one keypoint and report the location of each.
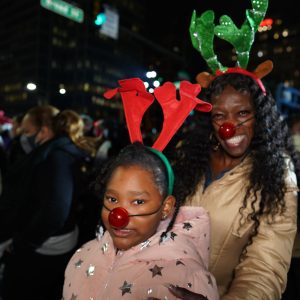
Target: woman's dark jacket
(40, 194)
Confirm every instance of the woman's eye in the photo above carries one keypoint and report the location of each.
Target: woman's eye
(139, 201)
(217, 117)
(245, 113)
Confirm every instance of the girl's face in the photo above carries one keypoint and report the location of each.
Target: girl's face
(234, 107)
(134, 189)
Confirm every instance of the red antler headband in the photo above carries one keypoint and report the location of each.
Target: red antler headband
(136, 100)
(203, 31)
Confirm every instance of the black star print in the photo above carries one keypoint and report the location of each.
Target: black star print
(173, 234)
(78, 263)
(179, 262)
(187, 226)
(209, 279)
(156, 270)
(126, 288)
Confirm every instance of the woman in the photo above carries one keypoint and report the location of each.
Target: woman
(239, 165)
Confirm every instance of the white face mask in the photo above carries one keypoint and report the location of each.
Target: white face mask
(296, 141)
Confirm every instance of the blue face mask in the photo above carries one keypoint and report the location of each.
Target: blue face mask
(28, 142)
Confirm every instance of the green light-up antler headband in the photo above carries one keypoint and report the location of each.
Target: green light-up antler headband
(203, 30)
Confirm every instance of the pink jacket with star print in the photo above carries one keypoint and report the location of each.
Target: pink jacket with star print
(96, 272)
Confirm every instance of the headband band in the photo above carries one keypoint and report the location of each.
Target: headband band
(244, 72)
(168, 168)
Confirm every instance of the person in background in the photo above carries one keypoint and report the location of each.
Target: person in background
(143, 247)
(43, 206)
(239, 164)
(15, 150)
(37, 126)
(293, 122)
(36, 118)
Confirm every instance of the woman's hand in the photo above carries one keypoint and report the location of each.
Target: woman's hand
(182, 293)
(185, 294)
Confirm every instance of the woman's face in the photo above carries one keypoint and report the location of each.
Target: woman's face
(28, 127)
(234, 107)
(134, 189)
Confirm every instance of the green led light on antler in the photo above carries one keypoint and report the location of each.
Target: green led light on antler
(203, 30)
(202, 36)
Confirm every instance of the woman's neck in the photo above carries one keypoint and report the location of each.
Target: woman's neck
(220, 162)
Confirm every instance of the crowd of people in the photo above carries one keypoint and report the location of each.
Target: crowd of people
(46, 206)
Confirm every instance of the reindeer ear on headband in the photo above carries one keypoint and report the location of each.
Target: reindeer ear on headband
(204, 79)
(203, 30)
(263, 69)
(136, 100)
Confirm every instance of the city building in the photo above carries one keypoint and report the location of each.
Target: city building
(61, 52)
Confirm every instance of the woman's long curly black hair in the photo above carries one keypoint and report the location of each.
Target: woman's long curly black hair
(137, 154)
(271, 140)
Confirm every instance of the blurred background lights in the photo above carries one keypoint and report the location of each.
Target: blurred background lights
(31, 86)
(100, 19)
(265, 25)
(151, 74)
(146, 84)
(285, 33)
(62, 91)
(260, 53)
(156, 83)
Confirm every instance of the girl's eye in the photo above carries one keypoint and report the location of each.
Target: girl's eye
(139, 201)
(110, 199)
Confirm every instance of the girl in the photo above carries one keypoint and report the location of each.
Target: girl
(148, 241)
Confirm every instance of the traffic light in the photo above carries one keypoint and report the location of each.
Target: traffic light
(100, 19)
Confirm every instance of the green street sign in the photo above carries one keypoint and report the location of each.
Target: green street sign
(64, 9)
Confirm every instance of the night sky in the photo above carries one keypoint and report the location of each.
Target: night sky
(168, 22)
(167, 17)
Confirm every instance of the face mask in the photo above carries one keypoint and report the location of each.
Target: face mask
(105, 132)
(28, 142)
(296, 141)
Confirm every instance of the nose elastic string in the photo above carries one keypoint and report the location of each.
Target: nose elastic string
(119, 216)
(241, 123)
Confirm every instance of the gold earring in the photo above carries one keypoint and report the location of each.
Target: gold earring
(216, 147)
(214, 142)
